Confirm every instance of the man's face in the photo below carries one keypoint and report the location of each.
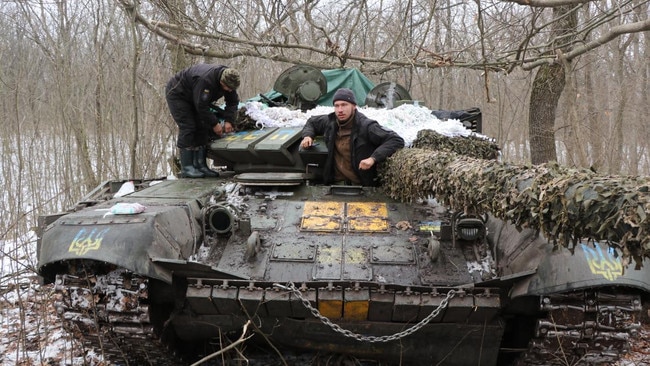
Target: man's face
(343, 110)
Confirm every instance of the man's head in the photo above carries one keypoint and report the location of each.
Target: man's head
(230, 79)
(344, 104)
(346, 95)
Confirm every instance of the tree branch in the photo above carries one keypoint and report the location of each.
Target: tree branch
(529, 54)
(159, 27)
(547, 3)
(613, 33)
(239, 341)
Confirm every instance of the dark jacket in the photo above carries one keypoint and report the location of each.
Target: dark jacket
(200, 85)
(368, 139)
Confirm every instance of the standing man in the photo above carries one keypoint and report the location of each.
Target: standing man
(190, 96)
(355, 143)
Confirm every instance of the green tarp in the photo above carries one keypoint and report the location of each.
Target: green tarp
(336, 79)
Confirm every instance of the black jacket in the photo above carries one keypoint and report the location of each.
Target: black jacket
(200, 85)
(368, 139)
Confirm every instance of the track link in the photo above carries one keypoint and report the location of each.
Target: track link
(584, 328)
(110, 314)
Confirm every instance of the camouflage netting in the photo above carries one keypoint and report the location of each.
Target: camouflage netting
(472, 146)
(243, 122)
(564, 204)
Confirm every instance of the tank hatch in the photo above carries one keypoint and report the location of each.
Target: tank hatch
(302, 85)
(386, 95)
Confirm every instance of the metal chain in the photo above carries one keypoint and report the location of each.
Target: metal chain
(443, 304)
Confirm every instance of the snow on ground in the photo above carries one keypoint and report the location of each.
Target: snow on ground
(30, 331)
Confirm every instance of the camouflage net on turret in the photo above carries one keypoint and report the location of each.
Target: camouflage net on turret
(472, 146)
(566, 205)
(243, 121)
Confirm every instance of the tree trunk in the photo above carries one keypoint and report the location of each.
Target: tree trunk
(594, 117)
(135, 138)
(175, 11)
(547, 88)
(574, 140)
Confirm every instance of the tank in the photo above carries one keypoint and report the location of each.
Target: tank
(172, 271)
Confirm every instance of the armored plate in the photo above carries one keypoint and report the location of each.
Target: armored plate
(370, 217)
(274, 148)
(397, 253)
(240, 146)
(449, 269)
(289, 252)
(270, 179)
(181, 189)
(340, 260)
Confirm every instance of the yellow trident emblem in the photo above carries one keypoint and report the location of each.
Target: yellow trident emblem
(605, 264)
(85, 241)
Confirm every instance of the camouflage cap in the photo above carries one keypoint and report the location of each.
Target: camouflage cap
(230, 77)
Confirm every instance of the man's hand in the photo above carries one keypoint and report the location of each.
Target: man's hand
(366, 164)
(218, 130)
(306, 142)
(228, 127)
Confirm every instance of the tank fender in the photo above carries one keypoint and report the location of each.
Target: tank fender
(589, 265)
(515, 250)
(128, 241)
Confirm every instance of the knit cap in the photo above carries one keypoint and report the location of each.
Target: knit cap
(346, 95)
(230, 77)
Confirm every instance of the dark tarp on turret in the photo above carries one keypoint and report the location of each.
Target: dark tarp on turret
(336, 78)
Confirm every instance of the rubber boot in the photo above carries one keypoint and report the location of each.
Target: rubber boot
(187, 165)
(201, 165)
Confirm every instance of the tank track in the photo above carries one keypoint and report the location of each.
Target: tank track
(584, 328)
(110, 314)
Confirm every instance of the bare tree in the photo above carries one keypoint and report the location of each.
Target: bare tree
(548, 86)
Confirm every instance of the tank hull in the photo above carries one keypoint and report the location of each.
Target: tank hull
(341, 269)
(442, 343)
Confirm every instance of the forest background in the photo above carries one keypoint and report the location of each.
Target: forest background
(82, 81)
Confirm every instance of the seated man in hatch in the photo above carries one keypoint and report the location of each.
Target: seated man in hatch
(355, 143)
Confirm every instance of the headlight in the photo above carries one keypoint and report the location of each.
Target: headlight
(470, 228)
